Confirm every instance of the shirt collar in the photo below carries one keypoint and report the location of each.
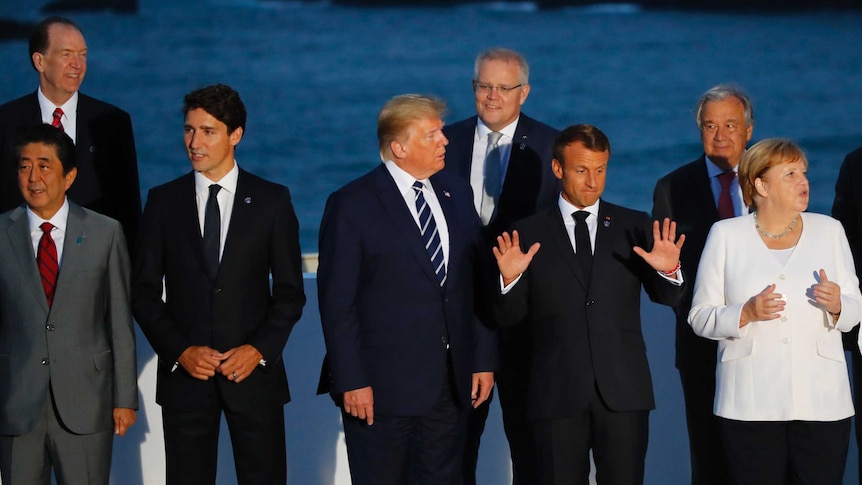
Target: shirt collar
(566, 209)
(482, 129)
(713, 170)
(70, 107)
(228, 182)
(403, 180)
(58, 220)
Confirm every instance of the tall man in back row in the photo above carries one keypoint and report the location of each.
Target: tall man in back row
(216, 236)
(506, 157)
(107, 180)
(695, 196)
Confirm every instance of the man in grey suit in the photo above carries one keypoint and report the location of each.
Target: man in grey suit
(67, 344)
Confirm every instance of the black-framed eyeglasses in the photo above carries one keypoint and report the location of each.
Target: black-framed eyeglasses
(486, 88)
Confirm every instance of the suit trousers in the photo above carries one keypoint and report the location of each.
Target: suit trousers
(408, 450)
(618, 441)
(75, 458)
(257, 440)
(786, 452)
(708, 460)
(512, 389)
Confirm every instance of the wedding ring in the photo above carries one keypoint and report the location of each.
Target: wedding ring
(235, 376)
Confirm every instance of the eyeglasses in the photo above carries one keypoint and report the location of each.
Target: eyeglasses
(486, 88)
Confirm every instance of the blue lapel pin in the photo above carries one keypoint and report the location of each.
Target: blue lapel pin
(247, 200)
(80, 238)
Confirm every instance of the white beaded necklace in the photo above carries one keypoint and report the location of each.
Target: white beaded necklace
(774, 236)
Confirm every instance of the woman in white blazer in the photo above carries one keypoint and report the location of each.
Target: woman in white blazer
(776, 288)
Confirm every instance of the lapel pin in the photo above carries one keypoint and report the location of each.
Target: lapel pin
(81, 238)
(523, 146)
(247, 200)
(446, 193)
(607, 222)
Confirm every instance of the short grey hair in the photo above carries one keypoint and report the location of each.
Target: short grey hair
(503, 54)
(720, 93)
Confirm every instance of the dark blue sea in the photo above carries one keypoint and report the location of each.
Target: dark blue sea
(314, 75)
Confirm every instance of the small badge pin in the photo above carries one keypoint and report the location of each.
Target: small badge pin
(446, 193)
(247, 200)
(523, 146)
(80, 239)
(607, 222)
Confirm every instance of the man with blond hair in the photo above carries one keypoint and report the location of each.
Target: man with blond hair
(407, 355)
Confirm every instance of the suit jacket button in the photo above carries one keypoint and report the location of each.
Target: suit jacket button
(218, 290)
(45, 361)
(49, 327)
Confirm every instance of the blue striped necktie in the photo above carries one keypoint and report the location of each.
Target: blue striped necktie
(430, 234)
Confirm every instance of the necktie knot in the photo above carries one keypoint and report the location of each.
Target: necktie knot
(580, 216)
(58, 123)
(494, 138)
(214, 190)
(418, 186)
(726, 178)
(46, 227)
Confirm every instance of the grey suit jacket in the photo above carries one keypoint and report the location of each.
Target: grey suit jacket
(84, 345)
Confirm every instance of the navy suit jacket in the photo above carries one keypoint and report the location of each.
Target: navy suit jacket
(529, 185)
(385, 318)
(237, 307)
(107, 180)
(685, 196)
(586, 332)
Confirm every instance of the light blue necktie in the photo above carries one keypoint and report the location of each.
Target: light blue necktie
(430, 234)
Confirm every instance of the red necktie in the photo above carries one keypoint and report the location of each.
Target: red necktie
(46, 258)
(725, 204)
(58, 113)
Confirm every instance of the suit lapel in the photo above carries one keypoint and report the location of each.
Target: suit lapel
(241, 218)
(700, 192)
(84, 133)
(393, 204)
(187, 223)
(450, 212)
(22, 245)
(460, 152)
(75, 249)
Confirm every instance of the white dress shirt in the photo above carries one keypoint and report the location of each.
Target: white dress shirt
(70, 113)
(58, 233)
(225, 198)
(404, 182)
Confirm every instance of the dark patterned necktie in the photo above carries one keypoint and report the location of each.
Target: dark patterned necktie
(46, 259)
(57, 123)
(430, 234)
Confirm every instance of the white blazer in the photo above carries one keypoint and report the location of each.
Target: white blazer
(790, 368)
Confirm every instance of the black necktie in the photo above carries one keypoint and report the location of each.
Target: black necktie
(584, 252)
(212, 230)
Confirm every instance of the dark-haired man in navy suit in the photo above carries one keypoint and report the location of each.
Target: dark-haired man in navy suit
(107, 179)
(506, 157)
(407, 356)
(573, 275)
(226, 244)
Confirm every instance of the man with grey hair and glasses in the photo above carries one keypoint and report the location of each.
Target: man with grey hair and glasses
(696, 195)
(506, 157)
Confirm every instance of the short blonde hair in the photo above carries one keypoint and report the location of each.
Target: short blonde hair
(400, 112)
(762, 156)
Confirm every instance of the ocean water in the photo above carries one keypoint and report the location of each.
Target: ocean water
(314, 75)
